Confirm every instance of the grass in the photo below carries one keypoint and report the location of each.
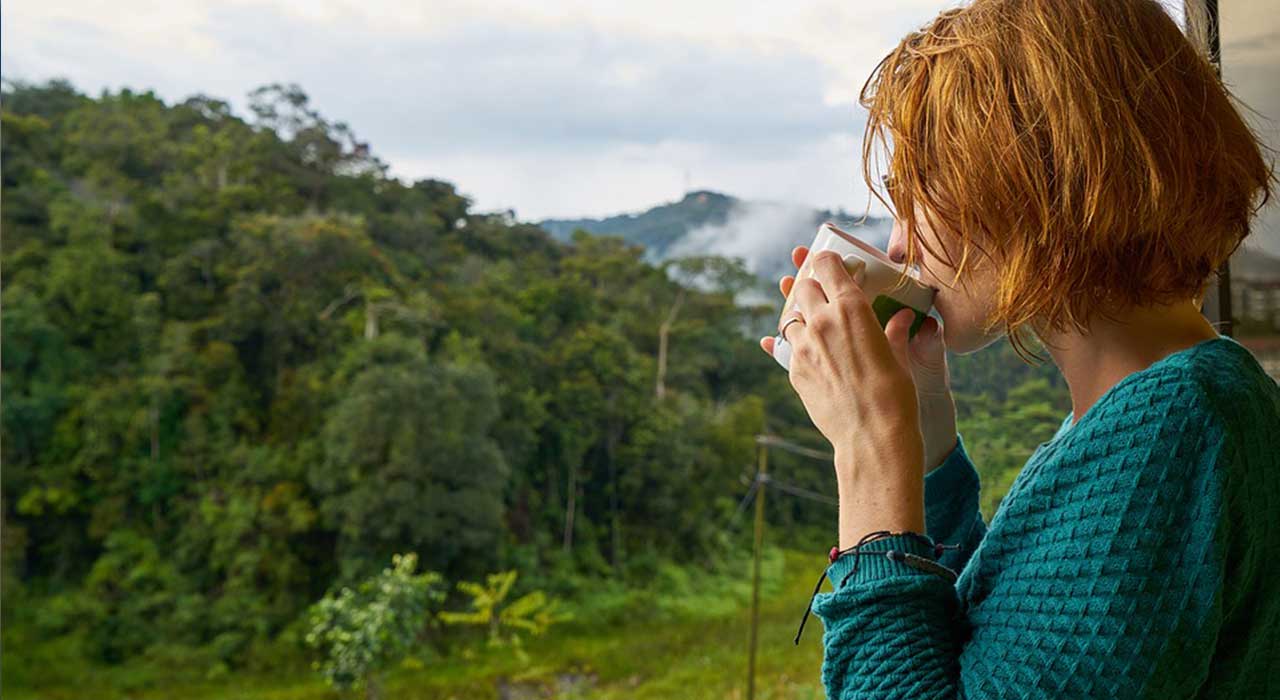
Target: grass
(637, 656)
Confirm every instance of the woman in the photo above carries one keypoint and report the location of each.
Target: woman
(1075, 171)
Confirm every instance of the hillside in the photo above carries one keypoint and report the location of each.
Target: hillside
(658, 227)
(244, 368)
(703, 222)
(227, 349)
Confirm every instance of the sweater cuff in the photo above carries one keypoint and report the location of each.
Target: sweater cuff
(872, 568)
(955, 477)
(955, 473)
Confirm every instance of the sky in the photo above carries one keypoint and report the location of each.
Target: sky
(550, 108)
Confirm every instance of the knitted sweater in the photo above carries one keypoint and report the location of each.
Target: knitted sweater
(1136, 555)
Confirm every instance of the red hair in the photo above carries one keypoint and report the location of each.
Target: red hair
(1086, 147)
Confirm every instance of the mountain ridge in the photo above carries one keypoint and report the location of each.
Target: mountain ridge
(705, 222)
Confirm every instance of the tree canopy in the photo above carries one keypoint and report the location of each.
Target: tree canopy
(243, 365)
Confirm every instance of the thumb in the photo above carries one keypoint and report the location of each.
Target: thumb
(928, 354)
(896, 331)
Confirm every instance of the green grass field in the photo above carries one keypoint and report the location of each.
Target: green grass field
(697, 648)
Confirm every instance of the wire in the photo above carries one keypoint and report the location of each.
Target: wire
(751, 492)
(774, 441)
(803, 492)
(790, 489)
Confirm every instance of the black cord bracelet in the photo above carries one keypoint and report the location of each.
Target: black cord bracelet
(915, 561)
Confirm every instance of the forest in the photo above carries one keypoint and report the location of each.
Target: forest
(244, 366)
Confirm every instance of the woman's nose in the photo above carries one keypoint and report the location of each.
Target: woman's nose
(897, 251)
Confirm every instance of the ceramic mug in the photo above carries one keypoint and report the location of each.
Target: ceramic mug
(874, 272)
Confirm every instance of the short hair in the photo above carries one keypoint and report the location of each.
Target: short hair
(1086, 146)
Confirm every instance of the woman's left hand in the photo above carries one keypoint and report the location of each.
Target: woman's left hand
(855, 382)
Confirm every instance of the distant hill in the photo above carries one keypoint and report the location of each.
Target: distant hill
(762, 233)
(657, 228)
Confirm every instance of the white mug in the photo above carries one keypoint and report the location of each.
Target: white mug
(874, 272)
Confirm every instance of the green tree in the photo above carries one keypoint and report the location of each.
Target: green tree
(408, 461)
(362, 631)
(242, 364)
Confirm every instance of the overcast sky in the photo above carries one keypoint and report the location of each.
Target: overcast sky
(576, 107)
(552, 108)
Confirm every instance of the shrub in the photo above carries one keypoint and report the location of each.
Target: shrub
(362, 631)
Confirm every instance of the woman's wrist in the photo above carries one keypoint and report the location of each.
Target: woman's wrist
(858, 457)
(879, 490)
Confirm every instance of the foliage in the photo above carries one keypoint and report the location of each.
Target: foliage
(362, 631)
(696, 656)
(399, 471)
(243, 366)
(1003, 425)
(532, 613)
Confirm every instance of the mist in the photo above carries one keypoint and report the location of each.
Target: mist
(763, 233)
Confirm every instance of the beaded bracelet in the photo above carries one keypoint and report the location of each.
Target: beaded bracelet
(915, 561)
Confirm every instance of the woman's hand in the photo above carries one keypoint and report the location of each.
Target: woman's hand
(928, 355)
(856, 383)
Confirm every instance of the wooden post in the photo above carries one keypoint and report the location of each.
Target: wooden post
(1203, 28)
(762, 471)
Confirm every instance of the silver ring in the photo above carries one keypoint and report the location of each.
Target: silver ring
(783, 331)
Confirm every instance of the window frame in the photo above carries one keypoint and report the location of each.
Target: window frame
(1201, 24)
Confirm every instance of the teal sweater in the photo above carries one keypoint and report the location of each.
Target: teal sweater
(1136, 555)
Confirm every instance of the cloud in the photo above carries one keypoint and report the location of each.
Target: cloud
(550, 110)
(633, 177)
(762, 234)
(510, 85)
(565, 108)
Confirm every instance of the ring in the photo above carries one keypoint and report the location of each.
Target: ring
(783, 331)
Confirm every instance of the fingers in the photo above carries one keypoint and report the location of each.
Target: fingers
(798, 254)
(829, 270)
(790, 320)
(843, 288)
(810, 295)
(766, 344)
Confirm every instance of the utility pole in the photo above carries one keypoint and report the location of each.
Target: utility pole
(762, 477)
(763, 443)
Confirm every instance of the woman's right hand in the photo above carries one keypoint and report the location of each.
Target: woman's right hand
(928, 355)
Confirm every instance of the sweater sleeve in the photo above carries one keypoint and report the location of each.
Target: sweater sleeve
(1098, 580)
(951, 507)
